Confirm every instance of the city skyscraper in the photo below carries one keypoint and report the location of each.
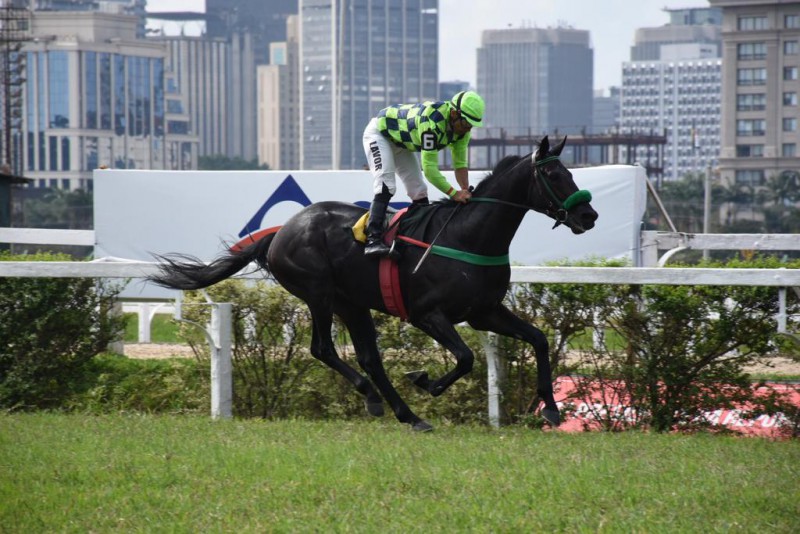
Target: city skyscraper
(536, 80)
(196, 71)
(357, 57)
(264, 20)
(760, 87)
(676, 90)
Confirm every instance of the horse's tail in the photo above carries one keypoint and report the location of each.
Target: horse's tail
(181, 271)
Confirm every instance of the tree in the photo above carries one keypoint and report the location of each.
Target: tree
(224, 163)
(59, 208)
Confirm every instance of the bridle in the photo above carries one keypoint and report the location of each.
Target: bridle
(557, 209)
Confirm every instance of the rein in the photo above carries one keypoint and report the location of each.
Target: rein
(562, 208)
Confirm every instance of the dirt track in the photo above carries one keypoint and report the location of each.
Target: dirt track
(778, 366)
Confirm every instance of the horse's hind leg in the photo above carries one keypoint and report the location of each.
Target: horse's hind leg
(505, 323)
(436, 325)
(323, 349)
(362, 332)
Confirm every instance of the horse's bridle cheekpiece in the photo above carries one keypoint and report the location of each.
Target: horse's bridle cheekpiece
(561, 211)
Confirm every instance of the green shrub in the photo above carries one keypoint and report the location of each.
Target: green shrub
(114, 383)
(275, 375)
(685, 347)
(50, 328)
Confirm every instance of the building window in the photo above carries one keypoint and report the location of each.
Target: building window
(65, 162)
(790, 124)
(791, 21)
(790, 98)
(789, 73)
(752, 23)
(751, 76)
(58, 88)
(750, 177)
(790, 48)
(749, 151)
(174, 106)
(751, 127)
(789, 150)
(751, 102)
(747, 51)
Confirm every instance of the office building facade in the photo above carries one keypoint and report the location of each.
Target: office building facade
(94, 96)
(673, 88)
(278, 104)
(357, 57)
(760, 88)
(679, 98)
(536, 81)
(197, 70)
(690, 25)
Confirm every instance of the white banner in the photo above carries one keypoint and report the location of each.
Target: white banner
(141, 213)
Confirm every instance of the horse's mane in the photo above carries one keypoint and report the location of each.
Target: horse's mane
(503, 166)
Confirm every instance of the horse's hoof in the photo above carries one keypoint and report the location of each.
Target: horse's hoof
(375, 409)
(419, 379)
(551, 416)
(421, 426)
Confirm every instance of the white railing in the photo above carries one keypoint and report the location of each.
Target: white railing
(219, 332)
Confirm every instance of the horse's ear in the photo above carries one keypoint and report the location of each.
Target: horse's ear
(559, 147)
(544, 148)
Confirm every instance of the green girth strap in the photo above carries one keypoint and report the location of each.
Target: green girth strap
(468, 257)
(460, 255)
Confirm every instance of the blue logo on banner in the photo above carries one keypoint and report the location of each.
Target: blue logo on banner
(290, 191)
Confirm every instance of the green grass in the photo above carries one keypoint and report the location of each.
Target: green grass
(75, 473)
(163, 329)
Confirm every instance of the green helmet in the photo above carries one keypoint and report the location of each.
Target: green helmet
(470, 105)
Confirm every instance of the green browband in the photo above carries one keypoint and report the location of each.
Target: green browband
(468, 257)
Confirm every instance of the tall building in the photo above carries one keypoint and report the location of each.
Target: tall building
(760, 87)
(676, 91)
(681, 98)
(450, 88)
(264, 21)
(606, 110)
(223, 67)
(356, 57)
(126, 7)
(536, 81)
(691, 25)
(94, 96)
(278, 103)
(196, 74)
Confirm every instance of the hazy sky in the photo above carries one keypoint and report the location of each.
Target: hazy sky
(611, 24)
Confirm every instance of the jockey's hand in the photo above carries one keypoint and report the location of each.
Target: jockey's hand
(462, 196)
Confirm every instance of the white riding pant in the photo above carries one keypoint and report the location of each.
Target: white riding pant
(387, 160)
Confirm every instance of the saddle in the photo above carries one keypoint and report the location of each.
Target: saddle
(410, 220)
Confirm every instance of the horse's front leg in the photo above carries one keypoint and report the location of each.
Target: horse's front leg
(436, 325)
(501, 321)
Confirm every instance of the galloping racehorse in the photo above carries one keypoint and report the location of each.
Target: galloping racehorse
(315, 257)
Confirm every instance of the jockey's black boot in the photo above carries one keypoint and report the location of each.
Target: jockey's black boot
(421, 202)
(377, 215)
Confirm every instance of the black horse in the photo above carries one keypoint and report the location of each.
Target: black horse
(316, 260)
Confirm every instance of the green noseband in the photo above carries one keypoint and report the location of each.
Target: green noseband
(578, 197)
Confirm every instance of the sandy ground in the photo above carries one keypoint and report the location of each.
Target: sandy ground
(157, 350)
(777, 365)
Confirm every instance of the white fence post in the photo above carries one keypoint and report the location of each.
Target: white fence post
(496, 377)
(781, 318)
(144, 322)
(221, 365)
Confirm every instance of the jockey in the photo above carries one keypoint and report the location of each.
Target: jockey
(390, 140)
